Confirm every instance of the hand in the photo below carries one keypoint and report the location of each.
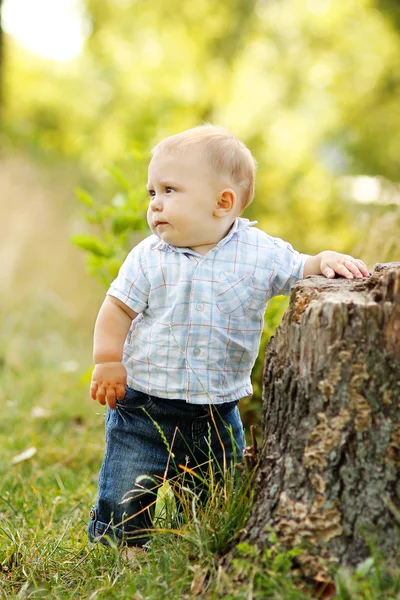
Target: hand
(108, 383)
(342, 264)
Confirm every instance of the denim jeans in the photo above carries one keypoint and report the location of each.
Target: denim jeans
(147, 439)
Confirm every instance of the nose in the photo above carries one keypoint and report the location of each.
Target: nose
(155, 203)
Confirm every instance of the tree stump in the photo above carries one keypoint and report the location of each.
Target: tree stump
(328, 478)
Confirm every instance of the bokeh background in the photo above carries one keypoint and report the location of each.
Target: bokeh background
(88, 86)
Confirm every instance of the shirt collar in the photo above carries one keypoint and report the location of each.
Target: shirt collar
(238, 225)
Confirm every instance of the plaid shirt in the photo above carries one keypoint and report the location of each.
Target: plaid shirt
(200, 319)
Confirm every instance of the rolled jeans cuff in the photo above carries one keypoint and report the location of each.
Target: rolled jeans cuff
(103, 533)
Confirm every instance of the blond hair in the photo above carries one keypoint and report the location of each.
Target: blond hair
(224, 152)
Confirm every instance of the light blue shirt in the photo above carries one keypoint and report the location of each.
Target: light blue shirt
(200, 319)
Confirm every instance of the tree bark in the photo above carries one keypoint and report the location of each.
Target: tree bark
(328, 478)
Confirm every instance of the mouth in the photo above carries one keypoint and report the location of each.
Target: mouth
(160, 223)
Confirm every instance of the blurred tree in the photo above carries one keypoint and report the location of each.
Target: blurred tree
(311, 87)
(390, 8)
(172, 72)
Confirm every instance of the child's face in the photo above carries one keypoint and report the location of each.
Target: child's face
(183, 192)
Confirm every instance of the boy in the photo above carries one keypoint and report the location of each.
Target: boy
(178, 333)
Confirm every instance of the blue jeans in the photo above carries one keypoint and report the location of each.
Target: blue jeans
(138, 433)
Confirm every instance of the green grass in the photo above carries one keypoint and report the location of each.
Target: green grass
(45, 499)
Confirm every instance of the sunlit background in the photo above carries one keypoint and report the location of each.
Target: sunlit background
(55, 30)
(88, 86)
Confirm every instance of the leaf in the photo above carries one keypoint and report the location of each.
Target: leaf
(364, 568)
(91, 244)
(86, 376)
(25, 455)
(118, 176)
(246, 549)
(84, 196)
(123, 222)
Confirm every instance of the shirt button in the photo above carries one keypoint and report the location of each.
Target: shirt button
(196, 351)
(200, 306)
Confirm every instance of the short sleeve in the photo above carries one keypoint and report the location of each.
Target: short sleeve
(288, 267)
(132, 286)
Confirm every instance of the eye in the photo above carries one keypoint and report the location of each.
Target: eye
(169, 189)
(151, 193)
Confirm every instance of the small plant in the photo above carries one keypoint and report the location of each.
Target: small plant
(116, 224)
(215, 508)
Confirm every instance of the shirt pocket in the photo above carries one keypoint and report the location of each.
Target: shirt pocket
(235, 294)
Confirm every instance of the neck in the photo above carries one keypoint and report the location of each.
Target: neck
(204, 248)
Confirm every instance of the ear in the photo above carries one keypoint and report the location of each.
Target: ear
(226, 203)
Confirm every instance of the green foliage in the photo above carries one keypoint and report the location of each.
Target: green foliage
(273, 317)
(312, 87)
(117, 224)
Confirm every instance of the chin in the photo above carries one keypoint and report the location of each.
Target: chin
(168, 240)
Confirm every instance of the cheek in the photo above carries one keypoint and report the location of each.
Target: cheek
(149, 221)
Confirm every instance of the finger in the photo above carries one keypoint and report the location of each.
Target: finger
(111, 397)
(342, 270)
(353, 268)
(363, 267)
(93, 390)
(101, 395)
(328, 272)
(120, 389)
